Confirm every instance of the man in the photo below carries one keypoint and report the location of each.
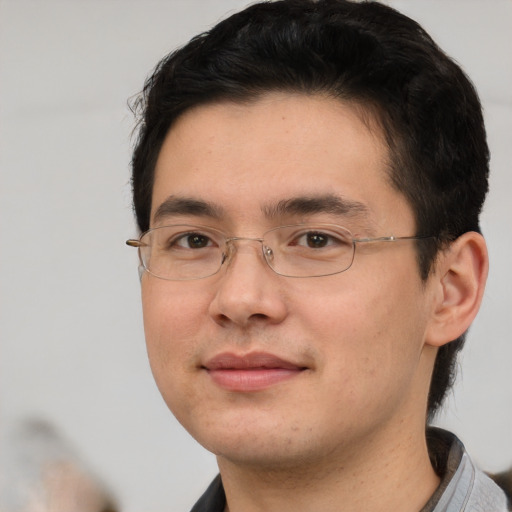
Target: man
(308, 179)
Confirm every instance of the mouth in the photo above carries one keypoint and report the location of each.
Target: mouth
(250, 372)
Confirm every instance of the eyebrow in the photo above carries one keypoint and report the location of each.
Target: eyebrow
(174, 205)
(329, 203)
(301, 205)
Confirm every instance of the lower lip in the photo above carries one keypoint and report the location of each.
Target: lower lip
(255, 379)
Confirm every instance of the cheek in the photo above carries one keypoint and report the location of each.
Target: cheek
(368, 330)
(173, 334)
(171, 326)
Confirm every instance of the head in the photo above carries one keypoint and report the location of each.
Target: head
(365, 55)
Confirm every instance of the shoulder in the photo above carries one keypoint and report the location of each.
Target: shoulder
(463, 486)
(485, 495)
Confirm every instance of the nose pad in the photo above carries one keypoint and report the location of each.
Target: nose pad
(268, 253)
(228, 253)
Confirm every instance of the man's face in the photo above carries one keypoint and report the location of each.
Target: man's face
(266, 369)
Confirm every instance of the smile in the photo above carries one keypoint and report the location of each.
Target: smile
(251, 372)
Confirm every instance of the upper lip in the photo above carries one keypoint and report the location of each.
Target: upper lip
(231, 361)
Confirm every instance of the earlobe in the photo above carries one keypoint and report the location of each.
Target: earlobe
(459, 282)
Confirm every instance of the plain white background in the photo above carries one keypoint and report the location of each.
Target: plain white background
(72, 341)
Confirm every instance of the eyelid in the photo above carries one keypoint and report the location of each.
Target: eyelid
(332, 236)
(211, 235)
(185, 236)
(296, 235)
(169, 237)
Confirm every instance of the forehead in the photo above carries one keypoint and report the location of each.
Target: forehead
(247, 156)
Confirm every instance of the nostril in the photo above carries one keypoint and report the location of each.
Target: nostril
(259, 316)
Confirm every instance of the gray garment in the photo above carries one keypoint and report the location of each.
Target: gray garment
(471, 490)
(463, 488)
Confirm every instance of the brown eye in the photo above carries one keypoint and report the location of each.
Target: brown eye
(192, 241)
(317, 240)
(197, 241)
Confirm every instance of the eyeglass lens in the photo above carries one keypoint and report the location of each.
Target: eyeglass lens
(184, 252)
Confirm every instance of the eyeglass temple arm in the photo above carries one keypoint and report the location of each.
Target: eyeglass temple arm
(392, 238)
(135, 243)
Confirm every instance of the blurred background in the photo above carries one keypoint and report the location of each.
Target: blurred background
(72, 345)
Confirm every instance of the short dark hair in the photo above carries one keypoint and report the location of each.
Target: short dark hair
(360, 52)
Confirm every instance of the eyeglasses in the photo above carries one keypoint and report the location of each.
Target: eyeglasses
(185, 252)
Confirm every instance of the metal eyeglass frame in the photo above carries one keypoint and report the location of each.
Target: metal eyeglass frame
(226, 255)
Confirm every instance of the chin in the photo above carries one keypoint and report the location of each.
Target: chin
(260, 444)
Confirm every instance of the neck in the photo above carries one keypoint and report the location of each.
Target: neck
(376, 475)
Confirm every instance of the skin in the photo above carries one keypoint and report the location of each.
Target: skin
(353, 419)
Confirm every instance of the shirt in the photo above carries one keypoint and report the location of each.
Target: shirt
(463, 487)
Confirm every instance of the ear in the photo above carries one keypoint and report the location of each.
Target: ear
(458, 285)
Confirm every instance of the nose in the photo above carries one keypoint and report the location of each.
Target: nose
(249, 292)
